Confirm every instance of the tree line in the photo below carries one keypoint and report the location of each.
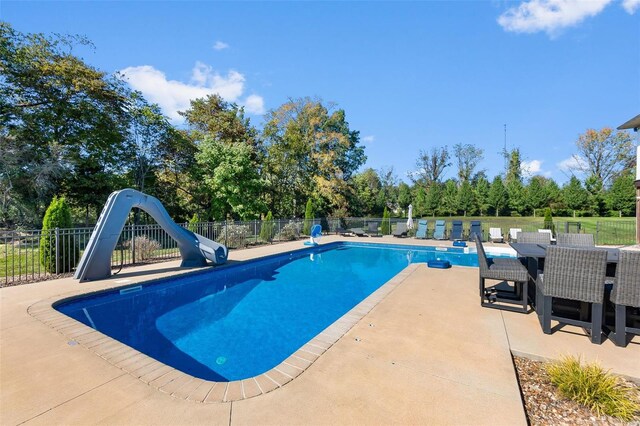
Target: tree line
(69, 129)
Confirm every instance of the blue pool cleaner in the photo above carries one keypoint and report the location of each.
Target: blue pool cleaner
(439, 264)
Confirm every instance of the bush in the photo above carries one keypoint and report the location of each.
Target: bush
(145, 247)
(266, 230)
(58, 215)
(234, 236)
(193, 223)
(290, 232)
(308, 218)
(386, 225)
(548, 220)
(594, 388)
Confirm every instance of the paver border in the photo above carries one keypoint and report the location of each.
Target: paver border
(184, 386)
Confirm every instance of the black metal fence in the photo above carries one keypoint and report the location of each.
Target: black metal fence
(35, 255)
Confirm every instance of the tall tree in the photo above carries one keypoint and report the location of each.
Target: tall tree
(404, 195)
(466, 198)
(514, 166)
(481, 193)
(450, 198)
(431, 165)
(537, 194)
(388, 195)
(312, 152)
(604, 153)
(61, 111)
(365, 200)
(231, 178)
(596, 196)
(468, 157)
(621, 196)
(575, 196)
(498, 195)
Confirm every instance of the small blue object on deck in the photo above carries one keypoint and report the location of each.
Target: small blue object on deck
(459, 244)
(439, 264)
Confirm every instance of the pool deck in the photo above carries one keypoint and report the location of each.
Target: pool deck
(426, 354)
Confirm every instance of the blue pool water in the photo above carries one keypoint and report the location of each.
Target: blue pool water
(239, 321)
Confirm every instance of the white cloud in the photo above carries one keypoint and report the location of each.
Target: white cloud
(174, 95)
(572, 164)
(531, 167)
(368, 139)
(631, 6)
(550, 15)
(254, 104)
(220, 45)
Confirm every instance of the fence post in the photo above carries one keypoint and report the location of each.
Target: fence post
(57, 250)
(597, 231)
(133, 245)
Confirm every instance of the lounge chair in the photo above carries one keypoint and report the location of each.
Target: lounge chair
(513, 234)
(421, 232)
(502, 270)
(401, 230)
(358, 231)
(475, 229)
(534, 237)
(495, 235)
(626, 293)
(439, 230)
(573, 274)
(372, 229)
(456, 230)
(583, 240)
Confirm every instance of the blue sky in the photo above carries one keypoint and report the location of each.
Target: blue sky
(410, 75)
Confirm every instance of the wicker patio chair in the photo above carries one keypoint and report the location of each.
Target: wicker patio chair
(573, 274)
(534, 237)
(502, 269)
(626, 293)
(585, 240)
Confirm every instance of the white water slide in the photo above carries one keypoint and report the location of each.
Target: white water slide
(95, 263)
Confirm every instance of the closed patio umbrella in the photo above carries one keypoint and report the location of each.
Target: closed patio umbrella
(409, 219)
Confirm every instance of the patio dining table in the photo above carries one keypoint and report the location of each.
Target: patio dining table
(536, 253)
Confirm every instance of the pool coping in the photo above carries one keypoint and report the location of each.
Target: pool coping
(184, 386)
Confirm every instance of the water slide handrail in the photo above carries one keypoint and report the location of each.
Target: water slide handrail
(96, 259)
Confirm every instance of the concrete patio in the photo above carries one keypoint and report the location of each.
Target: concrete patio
(415, 358)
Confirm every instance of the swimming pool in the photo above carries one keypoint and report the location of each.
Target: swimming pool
(239, 321)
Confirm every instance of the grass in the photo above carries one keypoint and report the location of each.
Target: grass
(595, 388)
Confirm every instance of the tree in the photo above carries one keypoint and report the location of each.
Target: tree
(404, 195)
(386, 222)
(59, 253)
(450, 198)
(231, 179)
(517, 197)
(595, 198)
(59, 110)
(431, 166)
(604, 153)
(468, 157)
(366, 190)
(466, 198)
(621, 196)
(481, 194)
(537, 194)
(548, 220)
(575, 196)
(388, 195)
(514, 168)
(311, 152)
(308, 218)
(433, 200)
(266, 230)
(498, 196)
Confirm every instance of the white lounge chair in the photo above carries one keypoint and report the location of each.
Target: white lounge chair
(495, 235)
(513, 234)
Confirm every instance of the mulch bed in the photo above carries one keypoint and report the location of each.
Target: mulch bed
(544, 406)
